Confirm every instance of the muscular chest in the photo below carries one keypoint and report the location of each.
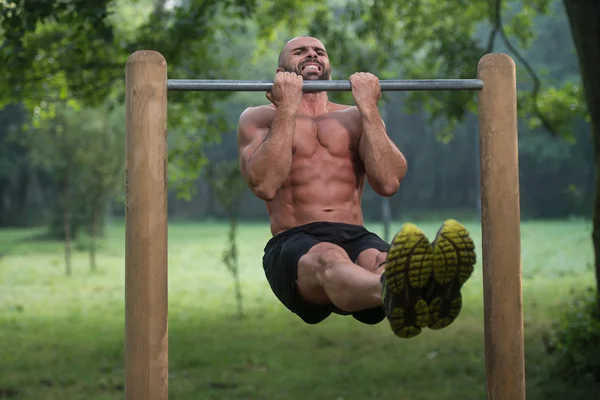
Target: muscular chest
(330, 134)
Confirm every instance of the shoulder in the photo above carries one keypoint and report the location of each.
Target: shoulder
(255, 121)
(257, 113)
(350, 112)
(344, 111)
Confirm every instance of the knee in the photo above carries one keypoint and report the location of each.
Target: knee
(329, 256)
(320, 260)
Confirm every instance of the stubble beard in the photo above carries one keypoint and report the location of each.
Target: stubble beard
(324, 76)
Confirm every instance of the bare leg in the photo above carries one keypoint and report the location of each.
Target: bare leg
(326, 274)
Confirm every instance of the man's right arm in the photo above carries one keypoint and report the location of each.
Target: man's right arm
(265, 146)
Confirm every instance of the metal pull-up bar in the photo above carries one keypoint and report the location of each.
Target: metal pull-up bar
(146, 266)
(223, 85)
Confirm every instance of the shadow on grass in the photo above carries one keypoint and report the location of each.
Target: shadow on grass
(14, 242)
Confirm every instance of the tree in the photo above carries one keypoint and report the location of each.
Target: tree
(228, 185)
(101, 161)
(51, 48)
(74, 48)
(54, 143)
(81, 149)
(584, 16)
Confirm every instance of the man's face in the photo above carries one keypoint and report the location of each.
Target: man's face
(307, 57)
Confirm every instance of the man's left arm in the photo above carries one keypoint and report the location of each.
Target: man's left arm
(384, 163)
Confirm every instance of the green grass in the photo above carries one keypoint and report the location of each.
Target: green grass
(62, 337)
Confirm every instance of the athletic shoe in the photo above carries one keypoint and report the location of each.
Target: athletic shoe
(408, 269)
(453, 263)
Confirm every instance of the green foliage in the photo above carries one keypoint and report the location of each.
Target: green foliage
(574, 345)
(101, 157)
(203, 39)
(73, 52)
(560, 105)
(72, 49)
(82, 149)
(187, 143)
(51, 47)
(53, 142)
(430, 39)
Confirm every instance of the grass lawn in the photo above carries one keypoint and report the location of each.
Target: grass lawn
(62, 337)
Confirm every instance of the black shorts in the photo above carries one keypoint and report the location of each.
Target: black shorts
(283, 251)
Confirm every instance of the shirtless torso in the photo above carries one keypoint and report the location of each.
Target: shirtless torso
(309, 158)
(326, 177)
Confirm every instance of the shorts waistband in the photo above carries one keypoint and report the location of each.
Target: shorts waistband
(311, 226)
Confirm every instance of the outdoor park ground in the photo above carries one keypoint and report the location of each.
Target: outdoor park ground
(62, 337)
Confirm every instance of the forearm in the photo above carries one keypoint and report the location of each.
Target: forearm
(269, 166)
(385, 165)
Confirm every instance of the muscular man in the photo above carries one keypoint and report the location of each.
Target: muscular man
(309, 159)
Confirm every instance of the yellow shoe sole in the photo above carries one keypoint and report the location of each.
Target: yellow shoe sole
(408, 269)
(454, 259)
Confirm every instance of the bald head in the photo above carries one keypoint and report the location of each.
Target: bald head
(297, 42)
(306, 56)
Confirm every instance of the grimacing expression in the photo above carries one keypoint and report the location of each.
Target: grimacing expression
(306, 57)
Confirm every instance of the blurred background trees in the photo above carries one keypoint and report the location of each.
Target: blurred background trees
(64, 64)
(63, 90)
(62, 122)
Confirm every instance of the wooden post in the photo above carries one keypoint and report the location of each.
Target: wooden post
(500, 221)
(146, 328)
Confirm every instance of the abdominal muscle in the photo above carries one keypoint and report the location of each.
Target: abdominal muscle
(319, 188)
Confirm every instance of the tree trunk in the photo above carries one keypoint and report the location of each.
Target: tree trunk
(584, 19)
(67, 222)
(238, 294)
(234, 265)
